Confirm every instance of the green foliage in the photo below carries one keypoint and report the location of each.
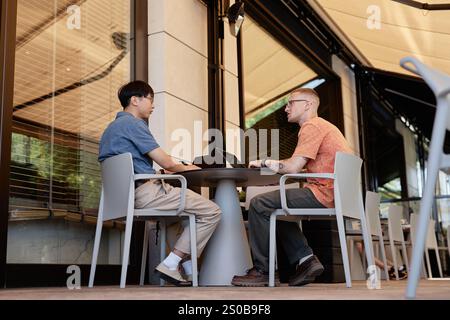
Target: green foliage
(76, 168)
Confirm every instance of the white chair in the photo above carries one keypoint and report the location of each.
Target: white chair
(448, 239)
(413, 231)
(372, 211)
(437, 159)
(396, 236)
(431, 242)
(117, 201)
(348, 203)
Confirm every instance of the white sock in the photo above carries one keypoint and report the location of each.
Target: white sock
(172, 261)
(304, 259)
(187, 266)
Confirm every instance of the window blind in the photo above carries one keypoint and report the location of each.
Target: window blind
(71, 57)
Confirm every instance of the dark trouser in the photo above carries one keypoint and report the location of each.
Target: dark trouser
(289, 234)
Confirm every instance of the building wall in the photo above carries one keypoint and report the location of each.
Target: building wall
(178, 70)
(349, 102)
(178, 61)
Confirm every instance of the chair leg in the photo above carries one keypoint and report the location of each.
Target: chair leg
(364, 260)
(126, 250)
(424, 270)
(405, 256)
(193, 235)
(351, 248)
(343, 241)
(394, 258)
(144, 253)
(438, 262)
(434, 161)
(383, 255)
(272, 248)
(162, 230)
(427, 257)
(98, 236)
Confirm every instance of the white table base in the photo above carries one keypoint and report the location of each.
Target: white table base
(227, 252)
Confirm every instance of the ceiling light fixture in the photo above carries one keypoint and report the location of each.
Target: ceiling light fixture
(235, 15)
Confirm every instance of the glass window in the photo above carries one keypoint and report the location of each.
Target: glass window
(270, 73)
(70, 61)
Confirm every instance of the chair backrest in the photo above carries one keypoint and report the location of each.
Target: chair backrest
(373, 213)
(431, 235)
(395, 223)
(431, 241)
(117, 186)
(347, 186)
(251, 192)
(438, 81)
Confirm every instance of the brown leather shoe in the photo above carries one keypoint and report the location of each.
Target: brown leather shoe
(306, 272)
(253, 278)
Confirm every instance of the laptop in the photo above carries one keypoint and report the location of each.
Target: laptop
(207, 161)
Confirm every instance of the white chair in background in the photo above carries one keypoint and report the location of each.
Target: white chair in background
(348, 203)
(372, 211)
(396, 237)
(117, 201)
(448, 239)
(431, 243)
(413, 231)
(437, 159)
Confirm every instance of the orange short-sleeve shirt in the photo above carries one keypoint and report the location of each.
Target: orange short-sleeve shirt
(319, 140)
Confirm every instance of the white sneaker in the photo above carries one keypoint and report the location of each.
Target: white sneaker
(172, 276)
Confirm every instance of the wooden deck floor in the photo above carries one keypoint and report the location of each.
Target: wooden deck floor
(392, 290)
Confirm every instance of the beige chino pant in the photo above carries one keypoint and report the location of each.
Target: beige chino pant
(156, 194)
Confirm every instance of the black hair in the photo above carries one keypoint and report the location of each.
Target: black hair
(134, 89)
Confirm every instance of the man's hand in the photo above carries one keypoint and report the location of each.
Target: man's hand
(255, 164)
(192, 167)
(166, 162)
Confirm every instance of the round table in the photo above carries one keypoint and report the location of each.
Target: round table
(227, 252)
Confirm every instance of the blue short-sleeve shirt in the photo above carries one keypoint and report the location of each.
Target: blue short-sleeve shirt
(129, 134)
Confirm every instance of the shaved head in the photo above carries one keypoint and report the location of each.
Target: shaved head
(311, 94)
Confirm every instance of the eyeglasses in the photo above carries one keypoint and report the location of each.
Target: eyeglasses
(149, 98)
(290, 102)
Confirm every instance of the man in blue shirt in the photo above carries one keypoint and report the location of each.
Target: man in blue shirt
(129, 132)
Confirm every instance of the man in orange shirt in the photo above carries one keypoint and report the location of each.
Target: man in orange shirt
(318, 142)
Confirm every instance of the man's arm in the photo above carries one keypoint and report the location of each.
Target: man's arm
(166, 162)
(292, 165)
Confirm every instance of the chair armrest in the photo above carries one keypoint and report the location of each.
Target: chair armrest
(298, 176)
(168, 177)
(418, 66)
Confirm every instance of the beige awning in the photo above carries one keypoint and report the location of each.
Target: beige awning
(270, 70)
(404, 31)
